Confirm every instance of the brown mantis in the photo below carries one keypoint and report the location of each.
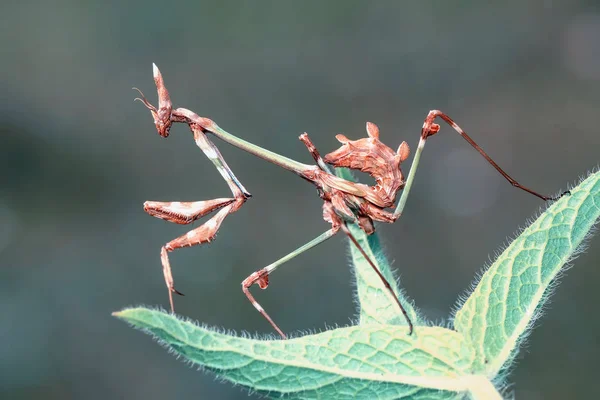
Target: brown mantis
(344, 201)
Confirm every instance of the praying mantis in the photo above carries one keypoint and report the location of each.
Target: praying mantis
(344, 202)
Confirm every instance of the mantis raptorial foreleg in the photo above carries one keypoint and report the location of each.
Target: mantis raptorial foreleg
(205, 233)
(214, 155)
(187, 212)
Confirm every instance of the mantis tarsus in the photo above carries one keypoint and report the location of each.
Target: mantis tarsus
(344, 201)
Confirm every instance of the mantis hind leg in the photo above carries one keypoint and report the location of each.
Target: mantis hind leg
(261, 277)
(429, 129)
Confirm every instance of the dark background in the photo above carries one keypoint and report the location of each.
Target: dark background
(78, 158)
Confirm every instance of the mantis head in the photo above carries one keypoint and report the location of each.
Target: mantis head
(162, 114)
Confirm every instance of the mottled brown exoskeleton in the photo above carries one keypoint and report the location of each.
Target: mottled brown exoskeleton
(343, 201)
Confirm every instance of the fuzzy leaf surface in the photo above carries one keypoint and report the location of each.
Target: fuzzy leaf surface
(359, 362)
(508, 297)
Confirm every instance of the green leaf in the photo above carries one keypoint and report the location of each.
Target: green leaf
(507, 299)
(360, 362)
(375, 302)
(377, 359)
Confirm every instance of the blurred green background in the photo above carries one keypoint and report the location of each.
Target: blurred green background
(78, 158)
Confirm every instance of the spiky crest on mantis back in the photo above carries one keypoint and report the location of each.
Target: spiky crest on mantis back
(344, 201)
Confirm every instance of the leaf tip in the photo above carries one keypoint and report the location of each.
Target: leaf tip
(127, 313)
